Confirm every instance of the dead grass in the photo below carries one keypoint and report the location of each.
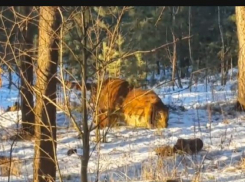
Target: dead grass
(164, 151)
(9, 167)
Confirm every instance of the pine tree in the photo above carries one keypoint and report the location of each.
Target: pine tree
(26, 36)
(45, 109)
(240, 21)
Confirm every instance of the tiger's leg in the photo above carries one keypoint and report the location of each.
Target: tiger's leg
(148, 117)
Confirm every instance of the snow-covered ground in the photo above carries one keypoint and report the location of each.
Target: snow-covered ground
(129, 153)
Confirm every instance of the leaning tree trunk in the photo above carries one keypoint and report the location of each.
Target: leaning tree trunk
(222, 52)
(45, 110)
(240, 21)
(174, 60)
(26, 37)
(85, 159)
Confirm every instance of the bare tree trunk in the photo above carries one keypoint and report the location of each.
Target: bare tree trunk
(189, 43)
(240, 21)
(1, 72)
(45, 143)
(175, 71)
(178, 77)
(189, 40)
(174, 58)
(222, 55)
(85, 158)
(231, 70)
(174, 63)
(158, 67)
(10, 78)
(27, 36)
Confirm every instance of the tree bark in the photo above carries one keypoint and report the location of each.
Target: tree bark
(10, 78)
(222, 53)
(86, 147)
(174, 60)
(27, 36)
(45, 111)
(240, 21)
(1, 72)
(189, 40)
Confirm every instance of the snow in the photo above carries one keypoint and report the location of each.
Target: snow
(129, 154)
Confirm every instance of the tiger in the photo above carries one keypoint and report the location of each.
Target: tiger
(143, 108)
(112, 94)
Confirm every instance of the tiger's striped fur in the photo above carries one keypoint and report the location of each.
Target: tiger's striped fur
(112, 94)
(143, 108)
